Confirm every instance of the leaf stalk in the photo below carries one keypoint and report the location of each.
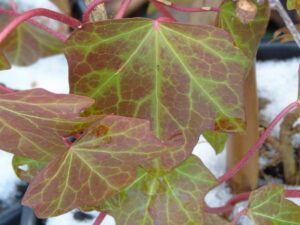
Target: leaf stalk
(231, 172)
(37, 12)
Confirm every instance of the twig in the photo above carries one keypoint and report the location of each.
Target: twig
(91, 10)
(276, 4)
(99, 12)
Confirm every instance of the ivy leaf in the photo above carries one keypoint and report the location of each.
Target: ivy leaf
(173, 198)
(33, 122)
(246, 36)
(4, 64)
(212, 219)
(268, 206)
(27, 43)
(183, 78)
(216, 139)
(25, 168)
(97, 166)
(293, 4)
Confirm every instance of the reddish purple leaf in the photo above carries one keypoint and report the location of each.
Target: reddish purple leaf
(97, 166)
(27, 43)
(33, 122)
(173, 198)
(183, 78)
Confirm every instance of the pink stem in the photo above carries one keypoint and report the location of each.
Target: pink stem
(38, 12)
(238, 216)
(229, 205)
(13, 5)
(90, 8)
(54, 33)
(188, 9)
(6, 90)
(99, 219)
(244, 197)
(231, 172)
(161, 8)
(122, 10)
(292, 193)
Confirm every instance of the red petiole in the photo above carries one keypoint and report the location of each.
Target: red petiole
(38, 12)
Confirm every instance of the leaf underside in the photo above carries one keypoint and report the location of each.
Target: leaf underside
(37, 120)
(183, 78)
(246, 36)
(175, 198)
(26, 44)
(268, 206)
(97, 166)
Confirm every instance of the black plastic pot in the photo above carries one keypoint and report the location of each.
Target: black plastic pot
(19, 215)
(277, 51)
(11, 216)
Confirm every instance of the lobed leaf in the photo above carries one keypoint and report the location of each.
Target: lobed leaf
(183, 78)
(216, 139)
(27, 43)
(97, 166)
(246, 36)
(33, 122)
(175, 198)
(25, 168)
(268, 206)
(4, 64)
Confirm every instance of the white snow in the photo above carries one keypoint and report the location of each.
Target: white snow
(8, 178)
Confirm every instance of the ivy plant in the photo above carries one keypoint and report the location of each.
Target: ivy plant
(141, 92)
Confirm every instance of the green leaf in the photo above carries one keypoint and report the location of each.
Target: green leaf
(216, 139)
(25, 168)
(246, 36)
(27, 43)
(293, 4)
(97, 166)
(4, 64)
(174, 198)
(33, 122)
(268, 206)
(183, 78)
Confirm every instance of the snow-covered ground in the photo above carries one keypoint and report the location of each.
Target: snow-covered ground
(277, 81)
